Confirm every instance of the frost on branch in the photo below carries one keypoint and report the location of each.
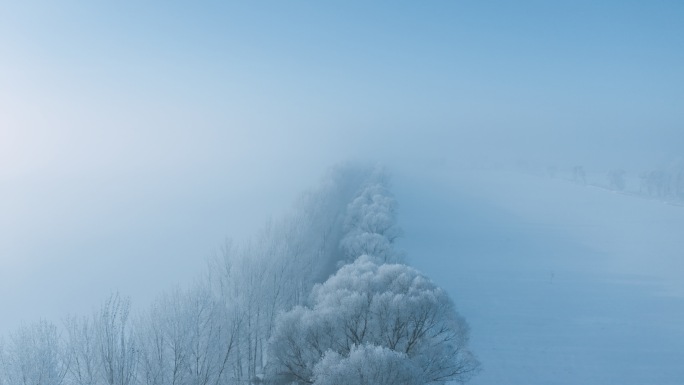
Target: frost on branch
(370, 225)
(367, 365)
(391, 306)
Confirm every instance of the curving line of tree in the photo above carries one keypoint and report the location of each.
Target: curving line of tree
(318, 297)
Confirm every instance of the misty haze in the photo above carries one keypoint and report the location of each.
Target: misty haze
(341, 194)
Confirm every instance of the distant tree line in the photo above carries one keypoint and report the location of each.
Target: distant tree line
(318, 297)
(664, 183)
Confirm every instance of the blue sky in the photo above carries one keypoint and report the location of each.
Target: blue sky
(144, 133)
(456, 69)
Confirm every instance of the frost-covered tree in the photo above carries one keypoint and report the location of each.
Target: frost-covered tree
(160, 358)
(186, 337)
(616, 179)
(84, 365)
(115, 342)
(162, 338)
(35, 355)
(386, 305)
(370, 223)
(211, 338)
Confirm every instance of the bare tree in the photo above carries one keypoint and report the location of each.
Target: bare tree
(578, 175)
(35, 356)
(162, 342)
(4, 364)
(187, 337)
(84, 368)
(116, 345)
(616, 179)
(211, 337)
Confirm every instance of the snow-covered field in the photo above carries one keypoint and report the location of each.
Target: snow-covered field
(561, 283)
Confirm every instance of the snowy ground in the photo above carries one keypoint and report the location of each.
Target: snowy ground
(561, 283)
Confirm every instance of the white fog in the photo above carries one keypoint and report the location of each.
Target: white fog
(351, 193)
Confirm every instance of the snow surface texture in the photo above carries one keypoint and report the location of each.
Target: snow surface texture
(560, 283)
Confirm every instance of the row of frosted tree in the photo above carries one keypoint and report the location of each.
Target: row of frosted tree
(318, 297)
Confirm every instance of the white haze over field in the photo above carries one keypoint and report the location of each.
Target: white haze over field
(134, 139)
(87, 233)
(561, 283)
